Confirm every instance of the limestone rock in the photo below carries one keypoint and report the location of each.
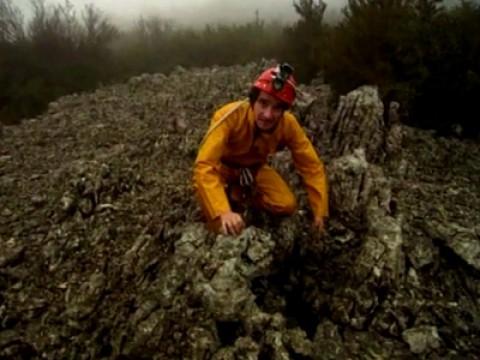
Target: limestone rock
(422, 339)
(104, 256)
(358, 122)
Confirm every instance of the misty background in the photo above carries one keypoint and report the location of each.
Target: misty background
(424, 54)
(194, 13)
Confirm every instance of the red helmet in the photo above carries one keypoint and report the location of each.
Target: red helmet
(279, 82)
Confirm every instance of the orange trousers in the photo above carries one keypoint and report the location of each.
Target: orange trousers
(270, 192)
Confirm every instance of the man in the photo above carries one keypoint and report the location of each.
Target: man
(241, 137)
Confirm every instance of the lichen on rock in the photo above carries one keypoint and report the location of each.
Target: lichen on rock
(104, 254)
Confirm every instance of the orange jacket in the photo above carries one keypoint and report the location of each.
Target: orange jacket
(236, 141)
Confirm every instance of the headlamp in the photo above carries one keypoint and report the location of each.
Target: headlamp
(281, 75)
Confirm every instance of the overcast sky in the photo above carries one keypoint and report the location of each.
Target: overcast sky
(194, 12)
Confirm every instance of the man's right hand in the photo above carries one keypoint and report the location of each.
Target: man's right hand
(231, 223)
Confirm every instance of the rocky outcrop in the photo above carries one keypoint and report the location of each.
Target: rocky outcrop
(361, 196)
(104, 254)
(358, 122)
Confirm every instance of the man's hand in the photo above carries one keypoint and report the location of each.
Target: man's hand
(231, 223)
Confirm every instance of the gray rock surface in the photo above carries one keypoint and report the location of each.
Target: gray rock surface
(357, 122)
(422, 339)
(104, 255)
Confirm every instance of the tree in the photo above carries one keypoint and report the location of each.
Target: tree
(305, 45)
(11, 23)
(57, 54)
(376, 43)
(98, 31)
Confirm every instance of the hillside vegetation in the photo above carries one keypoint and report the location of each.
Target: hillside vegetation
(419, 52)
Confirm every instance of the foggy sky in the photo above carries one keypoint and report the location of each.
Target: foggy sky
(193, 12)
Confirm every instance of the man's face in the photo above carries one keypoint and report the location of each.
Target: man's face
(268, 111)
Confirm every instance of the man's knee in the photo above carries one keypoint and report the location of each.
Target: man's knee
(289, 205)
(284, 205)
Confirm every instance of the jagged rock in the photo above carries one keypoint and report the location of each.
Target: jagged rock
(354, 183)
(358, 122)
(465, 242)
(395, 132)
(350, 188)
(82, 300)
(230, 265)
(328, 343)
(222, 281)
(216, 272)
(12, 254)
(104, 256)
(297, 340)
(422, 339)
(304, 102)
(244, 348)
(360, 193)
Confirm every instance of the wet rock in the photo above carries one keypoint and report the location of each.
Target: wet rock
(12, 255)
(82, 300)
(297, 341)
(395, 132)
(350, 189)
(244, 348)
(422, 339)
(358, 122)
(5, 158)
(103, 255)
(328, 343)
(360, 198)
(425, 253)
(465, 242)
(354, 184)
(228, 267)
(39, 200)
(304, 102)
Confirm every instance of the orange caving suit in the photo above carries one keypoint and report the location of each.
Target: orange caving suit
(236, 143)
